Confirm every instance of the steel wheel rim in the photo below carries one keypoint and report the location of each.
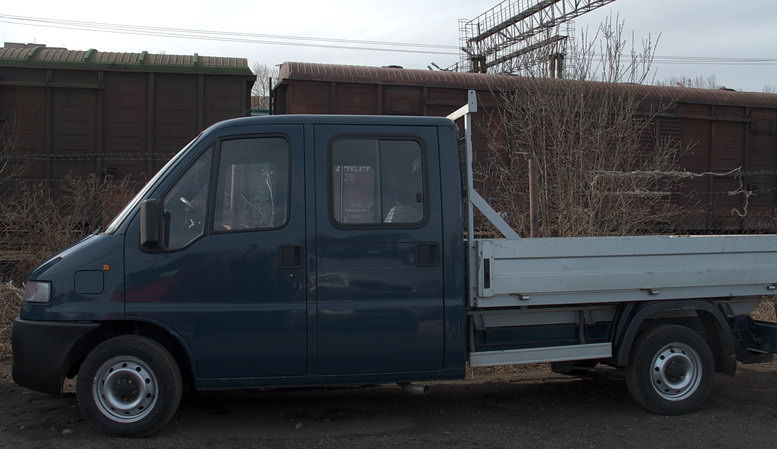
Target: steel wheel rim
(125, 389)
(676, 371)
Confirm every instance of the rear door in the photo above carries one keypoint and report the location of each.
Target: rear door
(378, 223)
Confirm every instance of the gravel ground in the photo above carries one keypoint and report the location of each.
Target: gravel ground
(497, 408)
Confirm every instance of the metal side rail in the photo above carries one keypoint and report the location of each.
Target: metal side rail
(598, 270)
(541, 355)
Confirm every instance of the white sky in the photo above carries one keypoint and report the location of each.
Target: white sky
(718, 28)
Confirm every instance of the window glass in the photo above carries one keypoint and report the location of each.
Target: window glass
(185, 204)
(253, 184)
(377, 182)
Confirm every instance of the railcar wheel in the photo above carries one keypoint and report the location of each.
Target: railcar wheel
(129, 386)
(671, 370)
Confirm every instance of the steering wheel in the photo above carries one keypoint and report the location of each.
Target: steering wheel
(187, 203)
(192, 209)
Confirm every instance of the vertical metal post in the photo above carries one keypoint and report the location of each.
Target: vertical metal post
(710, 179)
(559, 65)
(150, 138)
(470, 210)
(332, 97)
(551, 66)
(534, 200)
(743, 223)
(269, 96)
(200, 103)
(380, 110)
(49, 131)
(100, 149)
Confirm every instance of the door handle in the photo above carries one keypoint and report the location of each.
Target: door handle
(426, 255)
(291, 257)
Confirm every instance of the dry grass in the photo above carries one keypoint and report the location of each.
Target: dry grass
(765, 311)
(10, 299)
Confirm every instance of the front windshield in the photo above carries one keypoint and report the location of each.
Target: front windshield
(131, 205)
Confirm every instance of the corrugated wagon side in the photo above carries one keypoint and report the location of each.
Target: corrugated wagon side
(78, 113)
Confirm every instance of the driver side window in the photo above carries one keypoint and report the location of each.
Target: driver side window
(185, 204)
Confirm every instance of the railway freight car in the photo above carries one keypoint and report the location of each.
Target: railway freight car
(82, 112)
(726, 131)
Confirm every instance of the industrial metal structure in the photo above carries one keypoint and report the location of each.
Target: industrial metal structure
(728, 132)
(82, 112)
(515, 34)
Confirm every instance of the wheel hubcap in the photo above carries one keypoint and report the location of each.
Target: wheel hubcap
(676, 371)
(125, 389)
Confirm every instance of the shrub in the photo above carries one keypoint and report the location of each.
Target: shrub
(37, 222)
(10, 299)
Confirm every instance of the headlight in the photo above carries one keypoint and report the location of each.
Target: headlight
(37, 291)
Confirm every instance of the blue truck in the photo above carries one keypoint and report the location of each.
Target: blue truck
(339, 250)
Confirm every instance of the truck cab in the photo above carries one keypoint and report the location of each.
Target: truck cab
(271, 251)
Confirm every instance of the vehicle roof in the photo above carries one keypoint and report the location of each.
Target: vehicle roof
(329, 119)
(300, 71)
(41, 56)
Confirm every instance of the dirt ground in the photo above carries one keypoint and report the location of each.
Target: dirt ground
(498, 408)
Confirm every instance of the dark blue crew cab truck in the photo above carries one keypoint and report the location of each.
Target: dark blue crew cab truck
(309, 250)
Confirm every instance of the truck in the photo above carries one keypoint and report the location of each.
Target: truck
(305, 250)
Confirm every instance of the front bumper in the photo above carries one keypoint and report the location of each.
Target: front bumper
(41, 351)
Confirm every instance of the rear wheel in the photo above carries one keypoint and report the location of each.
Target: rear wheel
(129, 386)
(671, 370)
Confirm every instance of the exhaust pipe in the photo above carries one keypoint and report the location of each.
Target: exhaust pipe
(418, 390)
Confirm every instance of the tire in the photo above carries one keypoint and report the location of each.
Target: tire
(671, 370)
(129, 386)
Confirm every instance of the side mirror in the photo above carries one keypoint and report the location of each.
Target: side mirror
(150, 223)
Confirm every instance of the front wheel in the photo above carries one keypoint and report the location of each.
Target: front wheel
(671, 370)
(129, 386)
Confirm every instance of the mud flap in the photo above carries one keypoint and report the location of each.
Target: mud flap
(758, 340)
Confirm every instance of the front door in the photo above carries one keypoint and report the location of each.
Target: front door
(230, 281)
(378, 224)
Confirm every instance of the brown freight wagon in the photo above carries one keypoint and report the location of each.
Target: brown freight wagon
(726, 130)
(83, 112)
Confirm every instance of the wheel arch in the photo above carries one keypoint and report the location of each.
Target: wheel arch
(632, 316)
(158, 332)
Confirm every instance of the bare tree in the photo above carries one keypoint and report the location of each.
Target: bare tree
(11, 165)
(618, 59)
(697, 82)
(603, 169)
(266, 76)
(605, 55)
(38, 221)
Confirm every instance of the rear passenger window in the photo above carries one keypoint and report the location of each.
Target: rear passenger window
(253, 184)
(377, 182)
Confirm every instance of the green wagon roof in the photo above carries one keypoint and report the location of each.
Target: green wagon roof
(40, 56)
